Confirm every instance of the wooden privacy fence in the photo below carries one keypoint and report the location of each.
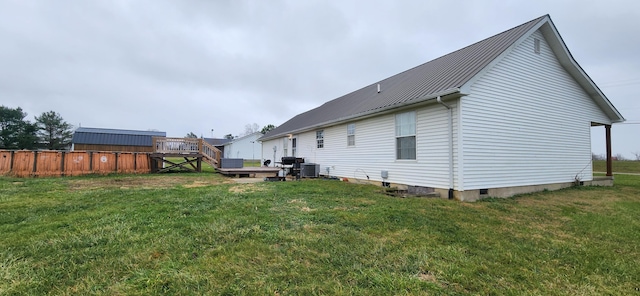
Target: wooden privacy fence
(24, 163)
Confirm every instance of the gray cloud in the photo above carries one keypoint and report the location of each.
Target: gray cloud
(193, 66)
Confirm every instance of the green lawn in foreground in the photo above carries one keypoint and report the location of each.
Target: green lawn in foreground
(199, 234)
(625, 166)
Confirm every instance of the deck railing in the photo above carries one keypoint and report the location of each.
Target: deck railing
(166, 145)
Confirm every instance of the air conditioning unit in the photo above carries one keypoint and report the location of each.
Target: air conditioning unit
(309, 170)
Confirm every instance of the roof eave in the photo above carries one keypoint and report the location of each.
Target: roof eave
(566, 59)
(362, 115)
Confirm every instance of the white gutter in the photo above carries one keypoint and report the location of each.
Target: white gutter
(439, 100)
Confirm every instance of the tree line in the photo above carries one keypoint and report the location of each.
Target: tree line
(49, 131)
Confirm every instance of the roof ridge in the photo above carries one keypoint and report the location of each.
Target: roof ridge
(450, 71)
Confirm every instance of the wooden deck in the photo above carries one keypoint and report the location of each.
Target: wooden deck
(193, 151)
(259, 172)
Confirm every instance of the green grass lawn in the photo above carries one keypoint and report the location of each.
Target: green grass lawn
(201, 234)
(625, 166)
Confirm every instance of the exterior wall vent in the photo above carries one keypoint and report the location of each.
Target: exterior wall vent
(536, 45)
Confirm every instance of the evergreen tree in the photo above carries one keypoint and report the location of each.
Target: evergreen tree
(15, 131)
(54, 133)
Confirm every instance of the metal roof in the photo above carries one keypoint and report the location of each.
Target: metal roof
(446, 73)
(216, 141)
(103, 136)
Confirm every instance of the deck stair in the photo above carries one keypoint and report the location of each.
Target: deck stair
(192, 150)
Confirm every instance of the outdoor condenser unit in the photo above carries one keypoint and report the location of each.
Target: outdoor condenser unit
(309, 170)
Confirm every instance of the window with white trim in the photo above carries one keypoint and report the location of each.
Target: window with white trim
(285, 146)
(406, 135)
(294, 144)
(320, 139)
(351, 134)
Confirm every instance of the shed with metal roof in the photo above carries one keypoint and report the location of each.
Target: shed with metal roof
(103, 139)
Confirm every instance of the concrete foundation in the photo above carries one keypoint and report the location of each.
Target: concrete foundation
(473, 195)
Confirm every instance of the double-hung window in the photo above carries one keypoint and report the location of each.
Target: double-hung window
(406, 135)
(320, 139)
(351, 134)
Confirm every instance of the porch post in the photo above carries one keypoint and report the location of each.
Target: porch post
(607, 129)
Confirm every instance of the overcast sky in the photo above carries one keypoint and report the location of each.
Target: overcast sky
(193, 66)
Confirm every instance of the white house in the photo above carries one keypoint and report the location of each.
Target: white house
(506, 115)
(246, 147)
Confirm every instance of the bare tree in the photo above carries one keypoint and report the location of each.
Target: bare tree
(597, 156)
(251, 128)
(637, 155)
(619, 156)
(191, 135)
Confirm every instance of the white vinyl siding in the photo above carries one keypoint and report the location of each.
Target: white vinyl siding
(527, 122)
(376, 149)
(247, 147)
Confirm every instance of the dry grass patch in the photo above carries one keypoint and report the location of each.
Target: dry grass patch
(146, 181)
(246, 188)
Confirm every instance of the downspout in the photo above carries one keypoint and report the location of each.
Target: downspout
(439, 100)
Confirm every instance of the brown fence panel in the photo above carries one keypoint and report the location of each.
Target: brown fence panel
(142, 163)
(77, 163)
(104, 162)
(126, 163)
(22, 163)
(48, 163)
(5, 162)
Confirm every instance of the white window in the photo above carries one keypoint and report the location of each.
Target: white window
(293, 146)
(406, 135)
(320, 139)
(351, 134)
(284, 146)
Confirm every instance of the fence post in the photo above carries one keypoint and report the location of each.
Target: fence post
(62, 163)
(116, 166)
(11, 161)
(90, 161)
(35, 163)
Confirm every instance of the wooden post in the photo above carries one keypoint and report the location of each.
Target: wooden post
(200, 145)
(35, 162)
(62, 163)
(91, 161)
(154, 143)
(116, 166)
(607, 129)
(11, 161)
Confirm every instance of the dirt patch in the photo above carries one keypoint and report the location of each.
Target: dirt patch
(245, 188)
(427, 277)
(146, 182)
(196, 184)
(307, 209)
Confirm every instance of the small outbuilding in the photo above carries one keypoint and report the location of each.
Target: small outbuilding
(103, 139)
(245, 147)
